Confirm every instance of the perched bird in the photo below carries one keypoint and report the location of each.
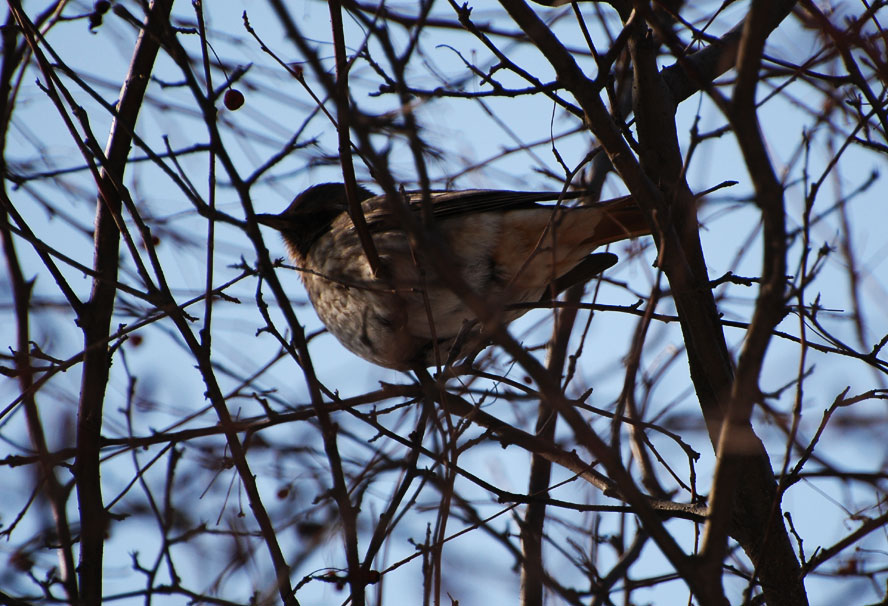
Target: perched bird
(506, 246)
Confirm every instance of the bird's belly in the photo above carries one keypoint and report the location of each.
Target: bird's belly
(401, 316)
(395, 327)
(363, 319)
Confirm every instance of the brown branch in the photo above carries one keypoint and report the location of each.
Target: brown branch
(203, 354)
(647, 196)
(743, 484)
(869, 525)
(680, 253)
(343, 130)
(540, 473)
(95, 316)
(56, 493)
(840, 39)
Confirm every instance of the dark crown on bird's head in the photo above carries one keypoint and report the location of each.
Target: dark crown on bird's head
(323, 199)
(310, 215)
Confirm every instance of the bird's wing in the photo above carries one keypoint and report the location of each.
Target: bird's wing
(449, 204)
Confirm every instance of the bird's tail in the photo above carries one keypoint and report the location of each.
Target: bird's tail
(621, 219)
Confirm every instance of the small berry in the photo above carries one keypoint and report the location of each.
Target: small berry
(234, 99)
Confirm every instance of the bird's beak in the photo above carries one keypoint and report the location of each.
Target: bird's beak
(274, 221)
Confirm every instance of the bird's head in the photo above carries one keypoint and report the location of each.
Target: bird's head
(310, 215)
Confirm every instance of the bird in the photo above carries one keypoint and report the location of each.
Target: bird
(509, 247)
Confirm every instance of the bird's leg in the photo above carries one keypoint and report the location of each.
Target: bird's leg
(460, 342)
